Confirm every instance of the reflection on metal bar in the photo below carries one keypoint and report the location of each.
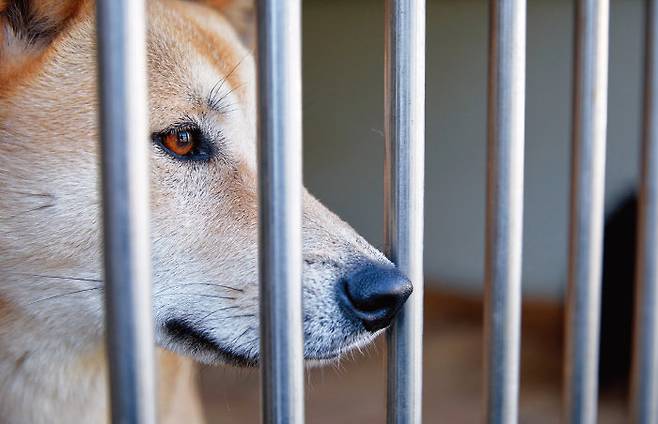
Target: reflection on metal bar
(505, 134)
(280, 168)
(645, 358)
(404, 185)
(125, 181)
(586, 226)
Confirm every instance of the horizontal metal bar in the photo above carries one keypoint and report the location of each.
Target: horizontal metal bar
(280, 201)
(645, 358)
(586, 222)
(125, 180)
(404, 186)
(505, 134)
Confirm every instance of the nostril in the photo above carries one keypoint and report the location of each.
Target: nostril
(374, 295)
(373, 299)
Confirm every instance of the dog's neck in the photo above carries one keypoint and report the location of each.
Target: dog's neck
(41, 383)
(46, 382)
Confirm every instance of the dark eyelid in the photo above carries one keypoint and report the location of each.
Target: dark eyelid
(186, 124)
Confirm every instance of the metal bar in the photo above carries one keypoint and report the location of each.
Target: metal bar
(125, 180)
(505, 138)
(404, 186)
(645, 358)
(280, 167)
(586, 222)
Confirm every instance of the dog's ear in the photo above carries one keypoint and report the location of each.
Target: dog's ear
(28, 26)
(241, 14)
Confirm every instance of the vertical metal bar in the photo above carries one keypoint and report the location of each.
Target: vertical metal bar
(125, 180)
(587, 194)
(404, 186)
(645, 357)
(505, 134)
(280, 167)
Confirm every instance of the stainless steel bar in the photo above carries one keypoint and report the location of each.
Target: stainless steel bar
(404, 186)
(586, 222)
(505, 138)
(645, 353)
(122, 80)
(280, 168)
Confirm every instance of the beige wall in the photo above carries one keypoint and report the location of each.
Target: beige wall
(343, 107)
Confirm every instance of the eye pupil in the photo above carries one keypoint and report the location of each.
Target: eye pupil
(181, 143)
(184, 138)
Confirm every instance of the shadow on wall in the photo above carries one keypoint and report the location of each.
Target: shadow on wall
(618, 295)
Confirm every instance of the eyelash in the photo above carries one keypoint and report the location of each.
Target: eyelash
(203, 150)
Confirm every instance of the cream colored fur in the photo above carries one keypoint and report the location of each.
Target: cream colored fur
(204, 216)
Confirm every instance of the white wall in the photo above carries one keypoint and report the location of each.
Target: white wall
(343, 108)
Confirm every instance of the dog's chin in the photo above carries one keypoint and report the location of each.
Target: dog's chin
(184, 339)
(336, 354)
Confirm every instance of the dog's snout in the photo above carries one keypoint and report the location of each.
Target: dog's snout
(374, 295)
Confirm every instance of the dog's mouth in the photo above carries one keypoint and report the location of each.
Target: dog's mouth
(184, 338)
(197, 343)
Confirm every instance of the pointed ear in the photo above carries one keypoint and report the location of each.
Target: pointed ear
(241, 14)
(28, 26)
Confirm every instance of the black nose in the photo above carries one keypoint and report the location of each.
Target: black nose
(374, 295)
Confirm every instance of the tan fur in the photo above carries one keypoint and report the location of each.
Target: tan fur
(241, 14)
(204, 216)
(19, 59)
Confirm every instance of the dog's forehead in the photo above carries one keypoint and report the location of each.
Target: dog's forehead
(198, 66)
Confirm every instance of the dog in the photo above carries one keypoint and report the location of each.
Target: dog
(203, 214)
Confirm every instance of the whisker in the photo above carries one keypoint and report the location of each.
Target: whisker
(38, 208)
(34, 209)
(252, 341)
(216, 285)
(212, 100)
(234, 317)
(217, 101)
(212, 296)
(220, 310)
(59, 277)
(235, 340)
(64, 294)
(25, 193)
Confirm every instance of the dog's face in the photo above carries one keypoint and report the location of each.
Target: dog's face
(203, 193)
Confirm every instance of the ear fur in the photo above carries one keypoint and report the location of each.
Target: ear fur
(28, 26)
(35, 21)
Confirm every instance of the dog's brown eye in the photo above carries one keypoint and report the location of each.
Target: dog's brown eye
(185, 141)
(180, 142)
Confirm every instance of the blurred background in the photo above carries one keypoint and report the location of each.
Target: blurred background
(343, 165)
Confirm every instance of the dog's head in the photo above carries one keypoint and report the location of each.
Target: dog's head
(203, 191)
